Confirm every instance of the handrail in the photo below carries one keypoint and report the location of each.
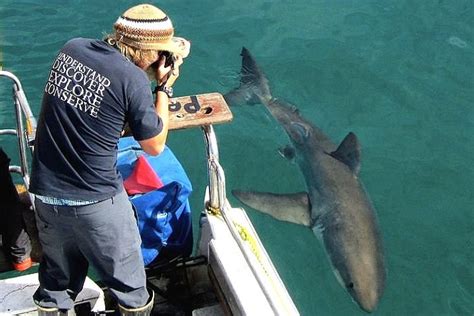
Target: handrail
(25, 138)
(8, 132)
(22, 101)
(15, 169)
(216, 187)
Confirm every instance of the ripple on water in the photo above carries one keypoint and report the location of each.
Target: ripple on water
(458, 307)
(456, 41)
(464, 280)
(358, 23)
(227, 77)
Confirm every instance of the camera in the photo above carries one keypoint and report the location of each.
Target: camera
(169, 58)
(168, 62)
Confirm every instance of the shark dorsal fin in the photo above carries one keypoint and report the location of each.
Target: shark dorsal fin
(348, 152)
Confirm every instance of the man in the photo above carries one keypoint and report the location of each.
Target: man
(83, 214)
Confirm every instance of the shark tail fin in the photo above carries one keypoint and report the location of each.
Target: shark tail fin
(253, 87)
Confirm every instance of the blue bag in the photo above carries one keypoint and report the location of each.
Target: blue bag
(164, 214)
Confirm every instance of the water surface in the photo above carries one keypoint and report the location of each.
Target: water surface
(399, 74)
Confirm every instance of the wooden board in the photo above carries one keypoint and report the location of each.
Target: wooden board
(198, 110)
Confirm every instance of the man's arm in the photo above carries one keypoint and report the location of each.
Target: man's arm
(155, 145)
(165, 75)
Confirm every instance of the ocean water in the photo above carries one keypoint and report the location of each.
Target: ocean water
(399, 74)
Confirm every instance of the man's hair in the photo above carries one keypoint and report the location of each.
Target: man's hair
(134, 54)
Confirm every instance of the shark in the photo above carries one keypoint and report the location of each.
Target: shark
(336, 206)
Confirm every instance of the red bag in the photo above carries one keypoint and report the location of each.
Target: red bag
(143, 178)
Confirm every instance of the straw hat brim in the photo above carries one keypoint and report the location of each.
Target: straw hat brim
(176, 45)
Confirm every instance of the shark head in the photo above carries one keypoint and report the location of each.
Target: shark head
(297, 129)
(365, 290)
(362, 275)
(298, 132)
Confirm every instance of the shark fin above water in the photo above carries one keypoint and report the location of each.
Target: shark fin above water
(253, 83)
(348, 152)
(294, 208)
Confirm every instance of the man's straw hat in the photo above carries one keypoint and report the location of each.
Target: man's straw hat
(146, 27)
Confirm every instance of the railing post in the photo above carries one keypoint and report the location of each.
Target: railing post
(217, 193)
(22, 108)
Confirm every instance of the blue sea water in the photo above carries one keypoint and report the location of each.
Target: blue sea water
(399, 74)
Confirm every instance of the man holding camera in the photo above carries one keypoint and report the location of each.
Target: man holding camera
(84, 216)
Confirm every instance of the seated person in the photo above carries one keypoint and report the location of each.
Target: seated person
(15, 240)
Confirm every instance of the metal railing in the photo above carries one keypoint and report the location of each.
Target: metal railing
(25, 136)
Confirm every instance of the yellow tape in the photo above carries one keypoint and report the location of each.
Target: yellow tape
(20, 188)
(213, 210)
(247, 236)
(29, 127)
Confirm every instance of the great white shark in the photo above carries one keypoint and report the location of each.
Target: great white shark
(336, 206)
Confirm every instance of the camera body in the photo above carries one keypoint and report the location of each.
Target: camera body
(168, 62)
(169, 58)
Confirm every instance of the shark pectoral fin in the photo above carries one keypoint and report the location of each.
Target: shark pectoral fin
(294, 208)
(287, 152)
(348, 152)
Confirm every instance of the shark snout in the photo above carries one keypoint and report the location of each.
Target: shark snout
(369, 301)
(367, 298)
(366, 285)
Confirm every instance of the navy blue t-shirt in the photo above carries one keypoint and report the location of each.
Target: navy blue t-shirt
(91, 92)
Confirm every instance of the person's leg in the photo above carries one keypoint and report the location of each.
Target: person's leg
(63, 270)
(15, 239)
(109, 238)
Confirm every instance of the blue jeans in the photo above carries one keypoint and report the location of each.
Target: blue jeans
(104, 235)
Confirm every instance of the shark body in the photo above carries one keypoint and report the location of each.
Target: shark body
(336, 206)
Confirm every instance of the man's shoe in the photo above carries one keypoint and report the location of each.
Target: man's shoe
(23, 265)
(139, 311)
(49, 311)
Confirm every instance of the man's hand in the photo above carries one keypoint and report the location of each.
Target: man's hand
(168, 75)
